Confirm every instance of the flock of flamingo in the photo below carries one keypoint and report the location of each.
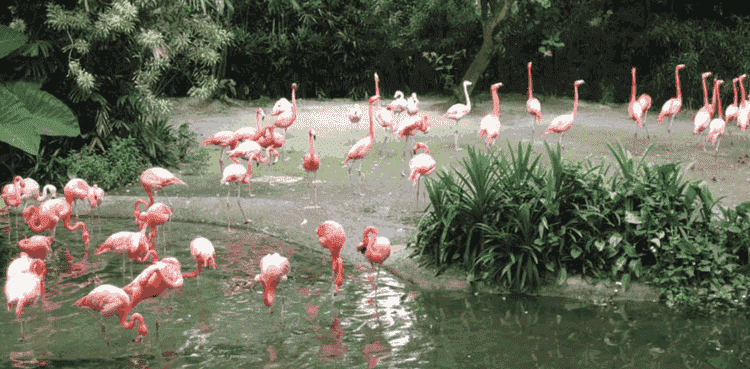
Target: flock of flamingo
(25, 283)
(26, 274)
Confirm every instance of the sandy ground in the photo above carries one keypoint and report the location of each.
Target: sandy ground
(388, 199)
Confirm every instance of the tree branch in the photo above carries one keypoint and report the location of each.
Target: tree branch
(498, 16)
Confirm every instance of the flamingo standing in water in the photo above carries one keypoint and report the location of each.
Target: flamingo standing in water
(355, 115)
(382, 115)
(362, 147)
(332, 237)
(13, 194)
(375, 249)
(31, 191)
(48, 214)
(134, 244)
(564, 122)
(407, 129)
(703, 116)
(716, 128)
(285, 119)
(155, 280)
(202, 251)
(274, 268)
(420, 165)
(311, 163)
(24, 288)
(673, 105)
(635, 109)
(154, 179)
(223, 139)
(490, 124)
(235, 173)
(533, 106)
(457, 111)
(156, 215)
(109, 300)
(38, 246)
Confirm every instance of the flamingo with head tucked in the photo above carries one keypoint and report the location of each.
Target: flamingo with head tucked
(412, 104)
(13, 193)
(21, 290)
(457, 111)
(235, 173)
(38, 246)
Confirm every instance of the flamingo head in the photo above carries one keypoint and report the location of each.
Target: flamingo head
(706, 75)
(579, 82)
(680, 66)
(529, 65)
(377, 79)
(496, 86)
(28, 212)
(142, 329)
(742, 77)
(426, 126)
(468, 83)
(374, 98)
(259, 114)
(311, 133)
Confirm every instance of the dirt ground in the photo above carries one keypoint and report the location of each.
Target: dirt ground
(388, 199)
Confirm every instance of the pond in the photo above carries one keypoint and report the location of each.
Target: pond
(217, 320)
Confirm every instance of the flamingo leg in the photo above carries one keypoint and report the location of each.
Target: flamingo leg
(385, 140)
(286, 158)
(403, 156)
(221, 160)
(229, 217)
(717, 146)
(349, 170)
(532, 130)
(359, 174)
(455, 137)
(419, 180)
(315, 188)
(244, 217)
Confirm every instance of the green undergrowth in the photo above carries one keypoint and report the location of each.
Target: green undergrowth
(509, 222)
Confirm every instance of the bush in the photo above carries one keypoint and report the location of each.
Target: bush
(119, 166)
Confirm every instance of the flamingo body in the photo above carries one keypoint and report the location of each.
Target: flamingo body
(332, 237)
(36, 246)
(274, 268)
(203, 253)
(109, 300)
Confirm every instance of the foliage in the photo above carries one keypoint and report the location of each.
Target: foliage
(119, 166)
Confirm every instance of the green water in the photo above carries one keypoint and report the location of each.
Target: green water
(217, 321)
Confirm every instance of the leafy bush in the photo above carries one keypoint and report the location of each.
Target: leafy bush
(119, 166)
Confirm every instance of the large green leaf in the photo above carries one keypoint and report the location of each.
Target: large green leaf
(53, 117)
(10, 40)
(18, 126)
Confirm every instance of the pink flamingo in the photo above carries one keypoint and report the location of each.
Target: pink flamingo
(155, 280)
(375, 249)
(250, 133)
(251, 151)
(645, 102)
(407, 129)
(332, 237)
(716, 129)
(732, 109)
(533, 106)
(382, 115)
(156, 215)
(673, 105)
(564, 122)
(412, 102)
(635, 109)
(362, 147)
(420, 165)
(457, 111)
(282, 105)
(354, 114)
(223, 139)
(490, 124)
(743, 112)
(31, 191)
(134, 244)
(154, 179)
(287, 118)
(13, 194)
(26, 263)
(311, 163)
(235, 173)
(21, 290)
(109, 300)
(274, 268)
(48, 214)
(37, 246)
(399, 104)
(204, 255)
(703, 116)
(271, 140)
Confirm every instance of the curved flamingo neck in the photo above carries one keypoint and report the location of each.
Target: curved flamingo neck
(632, 89)
(495, 103)
(677, 79)
(466, 93)
(531, 96)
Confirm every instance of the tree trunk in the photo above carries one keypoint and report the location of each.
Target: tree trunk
(484, 56)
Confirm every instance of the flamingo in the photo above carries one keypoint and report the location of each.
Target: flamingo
(287, 118)
(411, 104)
(109, 300)
(13, 194)
(332, 237)
(564, 122)
(274, 268)
(134, 244)
(155, 280)
(31, 191)
(311, 163)
(21, 290)
(382, 115)
(251, 151)
(743, 112)
(25, 263)
(281, 106)
(271, 140)
(154, 179)
(645, 102)
(77, 189)
(375, 249)
(703, 116)
(673, 105)
(156, 215)
(235, 173)
(399, 104)
(48, 214)
(407, 129)
(362, 147)
(37, 246)
(223, 139)
(716, 129)
(250, 133)
(355, 115)
(490, 124)
(204, 255)
(732, 109)
(533, 106)
(420, 165)
(635, 109)
(457, 111)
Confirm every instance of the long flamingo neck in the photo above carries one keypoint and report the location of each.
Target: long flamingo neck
(135, 292)
(495, 103)
(377, 87)
(677, 79)
(705, 92)
(734, 85)
(294, 103)
(718, 98)
(632, 89)
(714, 94)
(197, 272)
(371, 132)
(531, 96)
(312, 146)
(742, 89)
(466, 93)
(575, 102)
